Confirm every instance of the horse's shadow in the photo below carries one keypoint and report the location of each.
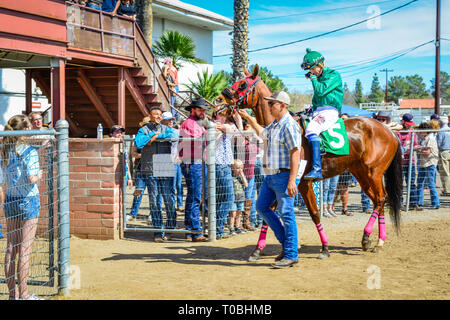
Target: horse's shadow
(210, 254)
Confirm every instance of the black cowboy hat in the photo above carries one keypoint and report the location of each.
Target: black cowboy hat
(197, 103)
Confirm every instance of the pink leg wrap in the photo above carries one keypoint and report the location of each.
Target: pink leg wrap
(322, 234)
(369, 227)
(381, 228)
(262, 237)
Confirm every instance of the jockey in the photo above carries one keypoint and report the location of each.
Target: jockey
(326, 104)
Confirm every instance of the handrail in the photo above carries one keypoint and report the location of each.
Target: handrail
(139, 43)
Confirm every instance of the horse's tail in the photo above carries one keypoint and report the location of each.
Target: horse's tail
(393, 184)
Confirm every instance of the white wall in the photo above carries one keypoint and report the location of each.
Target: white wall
(203, 38)
(12, 95)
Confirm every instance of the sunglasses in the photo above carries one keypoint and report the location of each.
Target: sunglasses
(271, 103)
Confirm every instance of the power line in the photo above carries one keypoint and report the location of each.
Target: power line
(319, 11)
(322, 34)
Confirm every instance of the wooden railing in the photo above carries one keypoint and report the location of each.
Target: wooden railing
(94, 30)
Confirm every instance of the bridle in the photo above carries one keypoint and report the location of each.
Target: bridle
(243, 91)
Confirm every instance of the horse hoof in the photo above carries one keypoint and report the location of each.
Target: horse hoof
(366, 244)
(324, 255)
(255, 255)
(376, 249)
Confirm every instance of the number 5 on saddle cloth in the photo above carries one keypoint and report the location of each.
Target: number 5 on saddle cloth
(335, 139)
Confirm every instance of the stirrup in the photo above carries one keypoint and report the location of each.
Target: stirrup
(313, 175)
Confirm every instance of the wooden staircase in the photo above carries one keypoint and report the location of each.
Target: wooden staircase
(92, 85)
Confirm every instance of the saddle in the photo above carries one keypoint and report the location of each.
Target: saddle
(333, 140)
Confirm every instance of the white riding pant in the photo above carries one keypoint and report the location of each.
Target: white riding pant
(322, 121)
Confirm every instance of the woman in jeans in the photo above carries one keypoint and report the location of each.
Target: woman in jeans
(19, 179)
(428, 160)
(329, 189)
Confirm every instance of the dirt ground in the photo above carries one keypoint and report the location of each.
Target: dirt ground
(414, 265)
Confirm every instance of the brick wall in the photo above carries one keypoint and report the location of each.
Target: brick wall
(95, 188)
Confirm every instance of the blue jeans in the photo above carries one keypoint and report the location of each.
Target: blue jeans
(140, 185)
(193, 175)
(274, 187)
(365, 201)
(427, 175)
(161, 186)
(259, 178)
(329, 189)
(224, 196)
(250, 195)
(414, 195)
(178, 186)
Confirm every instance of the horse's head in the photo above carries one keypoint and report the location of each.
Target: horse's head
(247, 93)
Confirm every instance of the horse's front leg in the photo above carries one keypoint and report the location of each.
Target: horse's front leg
(306, 190)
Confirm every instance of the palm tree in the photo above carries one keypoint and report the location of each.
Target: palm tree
(209, 86)
(178, 46)
(145, 19)
(240, 39)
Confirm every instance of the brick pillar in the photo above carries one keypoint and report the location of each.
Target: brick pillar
(95, 188)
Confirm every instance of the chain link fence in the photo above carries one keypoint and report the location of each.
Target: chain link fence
(34, 213)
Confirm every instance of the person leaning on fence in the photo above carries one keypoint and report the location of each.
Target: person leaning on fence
(19, 177)
(283, 157)
(191, 155)
(443, 141)
(169, 120)
(385, 118)
(237, 208)
(405, 141)
(127, 8)
(250, 152)
(428, 159)
(225, 134)
(139, 183)
(158, 183)
(110, 6)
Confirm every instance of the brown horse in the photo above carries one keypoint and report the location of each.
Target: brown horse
(374, 152)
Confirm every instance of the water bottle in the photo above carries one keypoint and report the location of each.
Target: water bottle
(99, 131)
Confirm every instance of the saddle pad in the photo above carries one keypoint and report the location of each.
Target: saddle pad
(335, 139)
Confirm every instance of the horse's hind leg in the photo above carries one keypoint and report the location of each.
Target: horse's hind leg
(375, 191)
(306, 190)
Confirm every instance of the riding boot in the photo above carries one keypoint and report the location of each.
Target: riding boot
(316, 172)
(247, 209)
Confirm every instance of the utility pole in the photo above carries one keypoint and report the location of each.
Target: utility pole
(437, 81)
(386, 70)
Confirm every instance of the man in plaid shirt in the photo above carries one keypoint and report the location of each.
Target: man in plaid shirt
(282, 139)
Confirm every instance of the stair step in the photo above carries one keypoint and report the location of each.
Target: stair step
(141, 80)
(136, 72)
(151, 97)
(146, 89)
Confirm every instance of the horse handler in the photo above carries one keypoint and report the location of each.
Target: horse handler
(282, 149)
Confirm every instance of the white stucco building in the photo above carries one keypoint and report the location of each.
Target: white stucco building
(195, 22)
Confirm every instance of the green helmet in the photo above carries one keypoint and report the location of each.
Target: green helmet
(311, 59)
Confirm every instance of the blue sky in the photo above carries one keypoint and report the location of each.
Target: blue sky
(357, 52)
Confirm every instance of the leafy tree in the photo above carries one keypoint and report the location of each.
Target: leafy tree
(416, 88)
(178, 46)
(445, 87)
(358, 94)
(208, 85)
(376, 93)
(273, 82)
(349, 99)
(397, 88)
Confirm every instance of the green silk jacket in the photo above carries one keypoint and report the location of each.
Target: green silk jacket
(328, 90)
